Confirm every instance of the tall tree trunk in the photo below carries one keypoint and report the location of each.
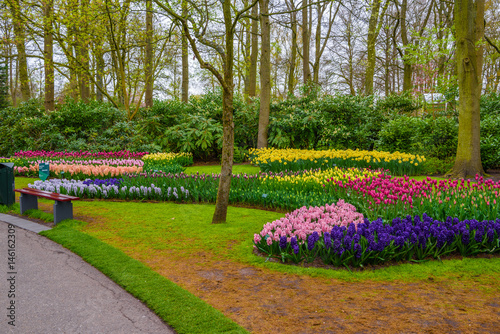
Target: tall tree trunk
(99, 73)
(265, 74)
(252, 80)
(371, 55)
(185, 60)
(306, 71)
(246, 49)
(20, 41)
(317, 44)
(407, 68)
(220, 213)
(387, 83)
(469, 25)
(117, 84)
(82, 51)
(12, 87)
(148, 62)
(293, 51)
(48, 46)
(72, 14)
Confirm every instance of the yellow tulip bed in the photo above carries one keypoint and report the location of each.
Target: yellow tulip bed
(314, 180)
(167, 162)
(269, 159)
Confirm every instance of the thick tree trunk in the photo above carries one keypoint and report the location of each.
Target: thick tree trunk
(185, 61)
(12, 87)
(265, 75)
(99, 74)
(372, 38)
(185, 71)
(317, 45)
(48, 52)
(469, 23)
(407, 68)
(220, 213)
(20, 41)
(252, 76)
(306, 71)
(247, 49)
(293, 54)
(83, 52)
(148, 71)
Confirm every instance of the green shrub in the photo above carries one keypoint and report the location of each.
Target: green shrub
(490, 154)
(490, 137)
(195, 134)
(436, 137)
(348, 122)
(403, 104)
(399, 134)
(490, 105)
(435, 166)
(426, 136)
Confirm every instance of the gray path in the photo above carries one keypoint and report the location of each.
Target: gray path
(57, 292)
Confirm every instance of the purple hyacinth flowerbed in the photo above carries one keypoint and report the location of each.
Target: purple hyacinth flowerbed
(107, 182)
(404, 239)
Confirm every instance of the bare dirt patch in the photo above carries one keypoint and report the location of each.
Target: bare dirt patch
(265, 301)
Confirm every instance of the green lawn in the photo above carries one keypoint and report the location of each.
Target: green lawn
(162, 225)
(159, 226)
(237, 169)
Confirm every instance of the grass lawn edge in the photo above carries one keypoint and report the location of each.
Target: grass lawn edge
(179, 308)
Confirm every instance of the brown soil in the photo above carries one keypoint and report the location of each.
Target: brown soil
(493, 174)
(266, 301)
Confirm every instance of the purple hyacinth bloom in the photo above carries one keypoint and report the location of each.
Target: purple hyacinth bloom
(441, 239)
(337, 246)
(327, 240)
(490, 234)
(347, 242)
(283, 242)
(358, 250)
(293, 242)
(351, 230)
(295, 249)
(311, 241)
(479, 235)
(465, 237)
(315, 236)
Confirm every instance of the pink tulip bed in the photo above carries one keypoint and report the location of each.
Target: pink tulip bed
(78, 165)
(387, 196)
(41, 154)
(80, 171)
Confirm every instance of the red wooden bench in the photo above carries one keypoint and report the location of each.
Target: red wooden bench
(63, 208)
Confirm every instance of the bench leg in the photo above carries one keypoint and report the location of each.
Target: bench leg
(28, 202)
(62, 210)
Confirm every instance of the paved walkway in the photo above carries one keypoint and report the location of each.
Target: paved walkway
(57, 292)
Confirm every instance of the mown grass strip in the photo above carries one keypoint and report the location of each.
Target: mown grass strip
(179, 308)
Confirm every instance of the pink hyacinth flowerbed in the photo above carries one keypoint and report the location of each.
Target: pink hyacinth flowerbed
(305, 221)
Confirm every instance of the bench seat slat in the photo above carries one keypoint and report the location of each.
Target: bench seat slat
(47, 194)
